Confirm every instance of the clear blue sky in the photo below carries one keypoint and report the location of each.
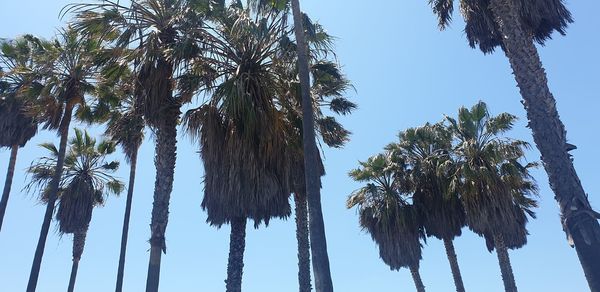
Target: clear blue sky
(406, 72)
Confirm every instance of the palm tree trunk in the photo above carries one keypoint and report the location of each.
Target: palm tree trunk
(165, 158)
(10, 173)
(237, 245)
(414, 272)
(125, 233)
(74, 268)
(451, 253)
(505, 267)
(301, 210)
(78, 245)
(579, 220)
(39, 251)
(320, 259)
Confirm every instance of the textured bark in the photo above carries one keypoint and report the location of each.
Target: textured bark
(451, 253)
(165, 157)
(301, 212)
(320, 259)
(125, 232)
(78, 245)
(578, 219)
(235, 264)
(504, 261)
(52, 195)
(414, 272)
(10, 173)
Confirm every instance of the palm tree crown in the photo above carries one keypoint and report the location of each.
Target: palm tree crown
(540, 18)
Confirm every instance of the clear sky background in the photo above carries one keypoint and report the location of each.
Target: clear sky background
(406, 73)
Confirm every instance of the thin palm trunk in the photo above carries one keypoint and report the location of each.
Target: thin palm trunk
(235, 264)
(125, 233)
(579, 220)
(74, 268)
(451, 253)
(165, 158)
(52, 195)
(320, 259)
(10, 173)
(414, 272)
(505, 267)
(301, 210)
(78, 245)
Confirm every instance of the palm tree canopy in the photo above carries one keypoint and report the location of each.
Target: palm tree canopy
(427, 151)
(486, 165)
(17, 125)
(385, 211)
(241, 133)
(538, 17)
(87, 179)
(67, 68)
(162, 37)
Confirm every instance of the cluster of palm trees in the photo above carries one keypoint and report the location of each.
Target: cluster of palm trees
(260, 84)
(439, 178)
(135, 67)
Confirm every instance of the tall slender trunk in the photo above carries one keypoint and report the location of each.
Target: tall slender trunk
(165, 158)
(301, 211)
(451, 253)
(414, 272)
(235, 264)
(74, 268)
(39, 250)
(10, 173)
(504, 261)
(78, 245)
(320, 259)
(579, 220)
(125, 233)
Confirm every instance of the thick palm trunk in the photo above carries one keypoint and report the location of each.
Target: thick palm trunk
(414, 272)
(78, 245)
(165, 158)
(10, 173)
(451, 253)
(301, 210)
(39, 251)
(235, 264)
(323, 282)
(504, 261)
(125, 232)
(579, 220)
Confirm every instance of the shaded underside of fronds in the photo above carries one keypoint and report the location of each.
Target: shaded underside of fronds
(16, 126)
(243, 177)
(396, 231)
(127, 130)
(539, 17)
(75, 206)
(442, 216)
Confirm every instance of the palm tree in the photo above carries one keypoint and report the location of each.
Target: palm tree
(242, 134)
(17, 127)
(66, 66)
(428, 152)
(515, 26)
(87, 180)
(323, 282)
(164, 35)
(523, 189)
(126, 128)
(386, 213)
(487, 198)
(328, 90)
